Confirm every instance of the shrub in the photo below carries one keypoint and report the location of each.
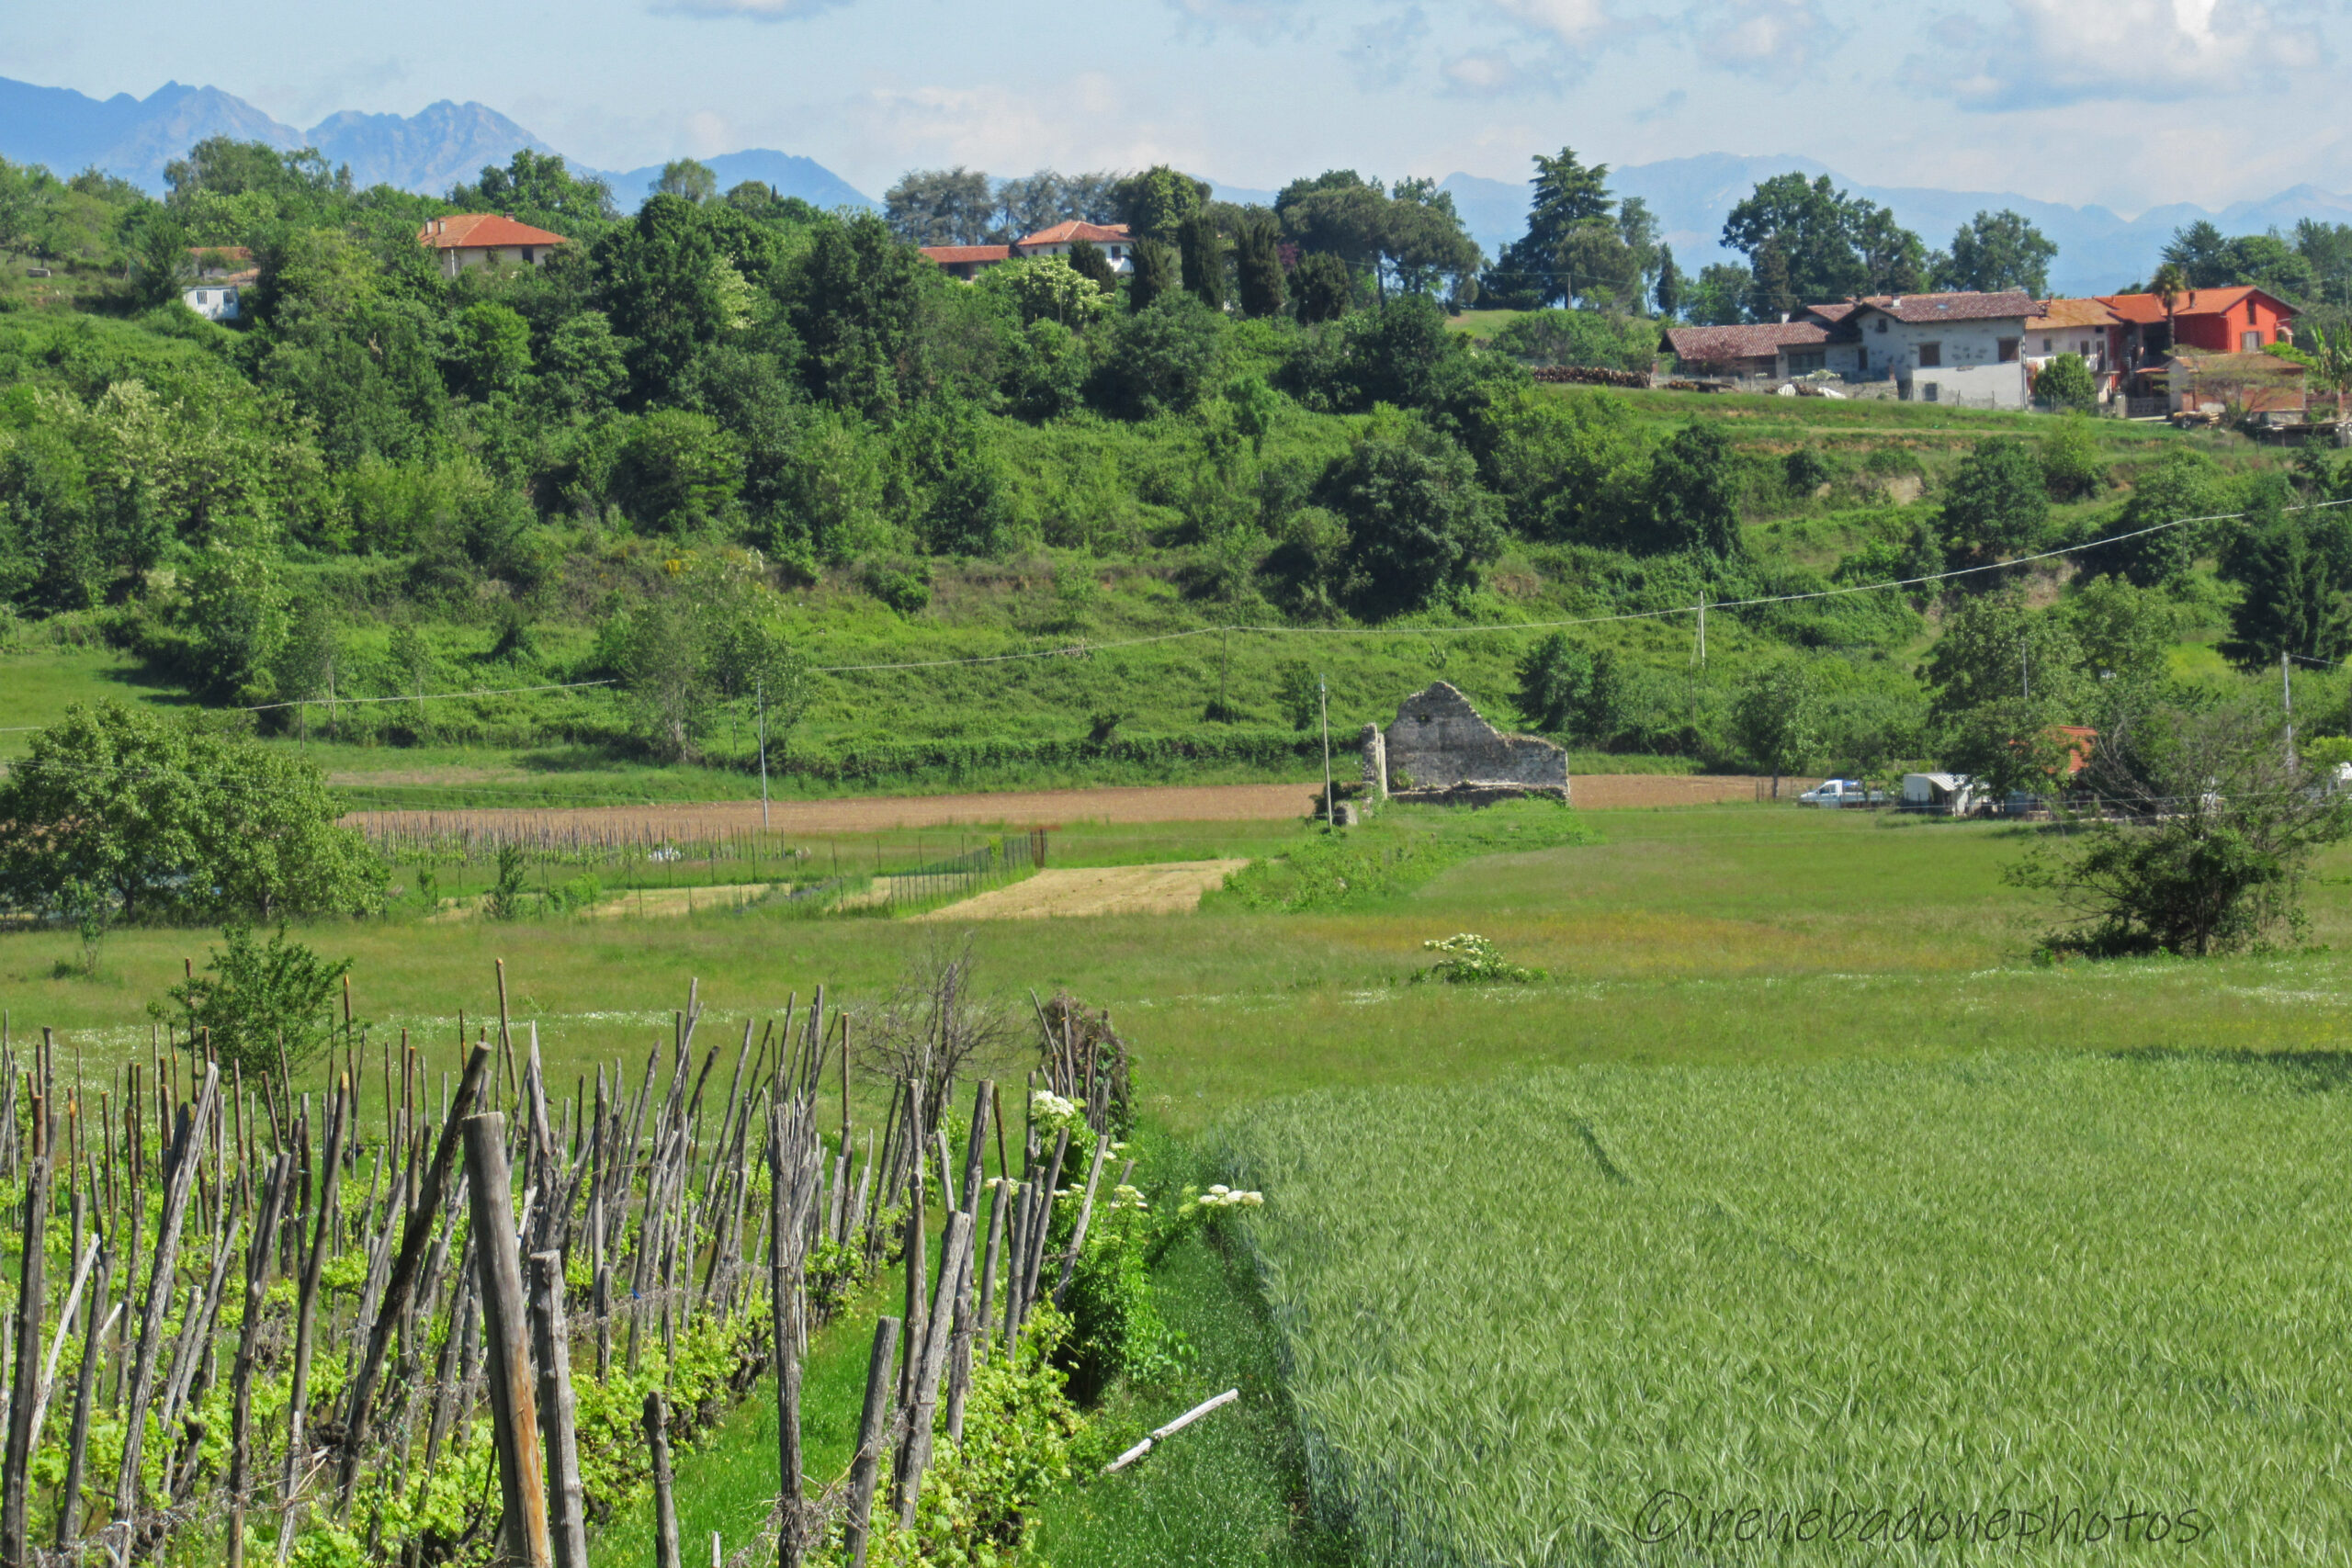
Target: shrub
(899, 588)
(1471, 960)
(254, 996)
(2066, 383)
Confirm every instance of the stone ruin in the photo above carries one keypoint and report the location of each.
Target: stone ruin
(1446, 751)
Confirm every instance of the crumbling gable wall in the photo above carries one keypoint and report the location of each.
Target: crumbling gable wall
(1440, 740)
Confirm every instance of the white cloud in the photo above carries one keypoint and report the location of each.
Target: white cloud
(1087, 122)
(755, 10)
(2060, 51)
(1384, 50)
(1571, 22)
(1773, 39)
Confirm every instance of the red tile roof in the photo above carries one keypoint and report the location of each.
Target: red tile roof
(952, 255)
(482, 230)
(1926, 309)
(1075, 230)
(1714, 346)
(2147, 309)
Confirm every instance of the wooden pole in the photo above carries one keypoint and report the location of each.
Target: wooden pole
(513, 1402)
(414, 1243)
(665, 1507)
(158, 1294)
(32, 1300)
(552, 1337)
(872, 1429)
(265, 1244)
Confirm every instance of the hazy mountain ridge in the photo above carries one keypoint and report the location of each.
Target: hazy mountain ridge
(428, 151)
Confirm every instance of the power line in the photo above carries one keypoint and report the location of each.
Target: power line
(1074, 650)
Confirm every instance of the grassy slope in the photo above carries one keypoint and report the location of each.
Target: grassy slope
(1121, 585)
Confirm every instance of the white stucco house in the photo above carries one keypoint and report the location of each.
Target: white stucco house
(1946, 347)
(967, 261)
(482, 239)
(224, 273)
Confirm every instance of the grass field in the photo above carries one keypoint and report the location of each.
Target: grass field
(1598, 1316)
(1691, 951)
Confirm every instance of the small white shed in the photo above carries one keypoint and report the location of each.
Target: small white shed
(1953, 794)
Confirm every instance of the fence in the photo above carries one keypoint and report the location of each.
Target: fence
(942, 881)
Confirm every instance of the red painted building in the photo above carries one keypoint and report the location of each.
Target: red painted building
(2220, 321)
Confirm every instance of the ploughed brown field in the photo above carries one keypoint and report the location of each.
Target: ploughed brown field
(1042, 808)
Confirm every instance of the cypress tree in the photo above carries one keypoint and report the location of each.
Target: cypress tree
(1204, 252)
(1258, 267)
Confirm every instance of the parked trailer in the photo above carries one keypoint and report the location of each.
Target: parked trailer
(1947, 794)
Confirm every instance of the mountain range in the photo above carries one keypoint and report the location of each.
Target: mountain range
(2099, 249)
(429, 151)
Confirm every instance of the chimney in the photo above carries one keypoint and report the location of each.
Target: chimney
(1784, 317)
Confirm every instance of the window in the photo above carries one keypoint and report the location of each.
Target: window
(227, 297)
(2045, 346)
(1881, 324)
(1806, 364)
(2249, 307)
(527, 257)
(1931, 354)
(2250, 343)
(1931, 391)
(2006, 349)
(202, 298)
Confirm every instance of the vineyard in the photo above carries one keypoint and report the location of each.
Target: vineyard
(457, 1316)
(2004, 1309)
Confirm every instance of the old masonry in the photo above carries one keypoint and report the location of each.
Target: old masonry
(1440, 749)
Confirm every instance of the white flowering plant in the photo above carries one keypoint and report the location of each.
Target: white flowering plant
(1055, 1113)
(1471, 960)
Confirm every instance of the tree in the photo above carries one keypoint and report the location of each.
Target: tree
(940, 207)
(1161, 359)
(2200, 254)
(687, 180)
(1566, 193)
(1258, 264)
(1803, 243)
(2125, 632)
(658, 651)
(2326, 249)
(2233, 823)
(2158, 538)
(2073, 465)
(1996, 503)
(1691, 495)
(2294, 567)
(1031, 202)
(1047, 288)
(1775, 717)
(260, 1006)
(658, 277)
(1555, 684)
(2066, 383)
(161, 267)
(1419, 525)
(1324, 288)
(171, 820)
(1997, 649)
(1203, 252)
(1667, 292)
(1995, 252)
(1157, 275)
(492, 349)
(1155, 203)
(678, 471)
(538, 189)
(856, 303)
(1087, 260)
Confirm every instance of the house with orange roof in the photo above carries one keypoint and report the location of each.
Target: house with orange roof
(2243, 320)
(967, 261)
(2087, 329)
(486, 239)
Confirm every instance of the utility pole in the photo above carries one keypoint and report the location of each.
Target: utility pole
(2286, 701)
(1323, 700)
(1702, 626)
(760, 689)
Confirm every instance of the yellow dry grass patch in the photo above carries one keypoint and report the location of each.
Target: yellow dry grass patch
(1173, 888)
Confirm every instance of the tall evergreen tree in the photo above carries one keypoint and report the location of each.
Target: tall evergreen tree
(1201, 248)
(1258, 264)
(1157, 273)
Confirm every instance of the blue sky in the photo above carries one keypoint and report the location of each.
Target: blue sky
(2125, 102)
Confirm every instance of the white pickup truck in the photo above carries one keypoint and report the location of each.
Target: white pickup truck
(1835, 792)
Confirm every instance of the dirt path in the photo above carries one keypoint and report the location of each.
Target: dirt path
(1042, 808)
(1173, 888)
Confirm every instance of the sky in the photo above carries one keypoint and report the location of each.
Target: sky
(2127, 103)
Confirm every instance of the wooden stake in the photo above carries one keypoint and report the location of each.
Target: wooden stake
(552, 1338)
(513, 1401)
(872, 1428)
(665, 1507)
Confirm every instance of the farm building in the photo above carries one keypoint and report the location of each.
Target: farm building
(1442, 748)
(222, 275)
(2238, 384)
(484, 239)
(967, 261)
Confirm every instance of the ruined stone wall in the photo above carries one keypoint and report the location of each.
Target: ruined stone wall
(1439, 740)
